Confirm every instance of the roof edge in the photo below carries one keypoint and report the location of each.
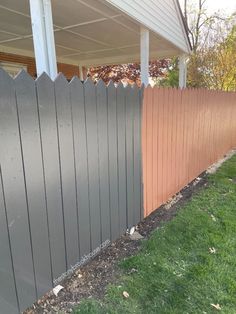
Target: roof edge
(184, 24)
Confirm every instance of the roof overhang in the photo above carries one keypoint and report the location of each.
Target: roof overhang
(87, 32)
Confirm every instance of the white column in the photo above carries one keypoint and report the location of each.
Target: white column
(81, 73)
(182, 71)
(43, 37)
(144, 55)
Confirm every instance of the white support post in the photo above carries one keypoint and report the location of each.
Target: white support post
(81, 73)
(144, 55)
(182, 71)
(43, 37)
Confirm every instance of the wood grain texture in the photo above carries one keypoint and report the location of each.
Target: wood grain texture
(183, 133)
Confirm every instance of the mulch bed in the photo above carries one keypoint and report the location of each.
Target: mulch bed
(92, 279)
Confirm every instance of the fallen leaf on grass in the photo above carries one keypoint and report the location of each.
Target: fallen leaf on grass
(212, 250)
(125, 294)
(216, 306)
(213, 217)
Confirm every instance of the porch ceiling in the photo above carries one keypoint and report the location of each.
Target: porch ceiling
(87, 32)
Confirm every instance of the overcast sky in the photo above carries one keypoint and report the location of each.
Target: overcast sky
(226, 6)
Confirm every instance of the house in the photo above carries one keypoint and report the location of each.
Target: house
(67, 36)
(82, 163)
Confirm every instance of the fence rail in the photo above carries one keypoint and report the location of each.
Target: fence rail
(183, 133)
(70, 177)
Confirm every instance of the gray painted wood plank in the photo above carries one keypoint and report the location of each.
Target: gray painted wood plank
(32, 160)
(81, 163)
(130, 155)
(49, 142)
(121, 125)
(103, 159)
(7, 307)
(137, 154)
(8, 297)
(15, 194)
(67, 165)
(113, 161)
(93, 162)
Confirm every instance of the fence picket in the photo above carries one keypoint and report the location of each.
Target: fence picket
(81, 163)
(15, 194)
(121, 156)
(93, 162)
(67, 168)
(8, 297)
(136, 157)
(113, 160)
(129, 156)
(51, 165)
(102, 116)
(33, 167)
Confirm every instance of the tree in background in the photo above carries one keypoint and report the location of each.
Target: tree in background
(212, 63)
(218, 61)
(171, 79)
(199, 26)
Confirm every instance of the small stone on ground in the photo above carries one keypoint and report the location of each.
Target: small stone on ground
(136, 236)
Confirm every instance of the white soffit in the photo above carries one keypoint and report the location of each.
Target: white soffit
(86, 32)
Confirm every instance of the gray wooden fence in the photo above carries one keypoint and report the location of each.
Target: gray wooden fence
(70, 178)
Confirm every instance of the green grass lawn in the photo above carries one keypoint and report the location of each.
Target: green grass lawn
(189, 264)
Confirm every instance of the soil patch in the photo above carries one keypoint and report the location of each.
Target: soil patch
(92, 279)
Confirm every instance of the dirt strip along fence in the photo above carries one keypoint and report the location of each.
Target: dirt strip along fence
(183, 133)
(70, 178)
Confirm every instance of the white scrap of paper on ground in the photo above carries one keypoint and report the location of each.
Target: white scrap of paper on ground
(57, 289)
(132, 230)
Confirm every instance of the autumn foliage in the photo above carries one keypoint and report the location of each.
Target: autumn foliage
(128, 73)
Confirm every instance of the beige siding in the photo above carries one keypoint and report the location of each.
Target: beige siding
(160, 16)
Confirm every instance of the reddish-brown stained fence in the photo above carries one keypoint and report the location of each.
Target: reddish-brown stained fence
(183, 132)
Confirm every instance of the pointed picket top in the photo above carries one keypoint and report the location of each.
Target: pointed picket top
(149, 86)
(132, 88)
(76, 87)
(75, 81)
(4, 76)
(120, 92)
(101, 84)
(120, 85)
(43, 77)
(7, 91)
(111, 85)
(135, 87)
(89, 83)
(61, 79)
(111, 91)
(142, 86)
(128, 88)
(24, 77)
